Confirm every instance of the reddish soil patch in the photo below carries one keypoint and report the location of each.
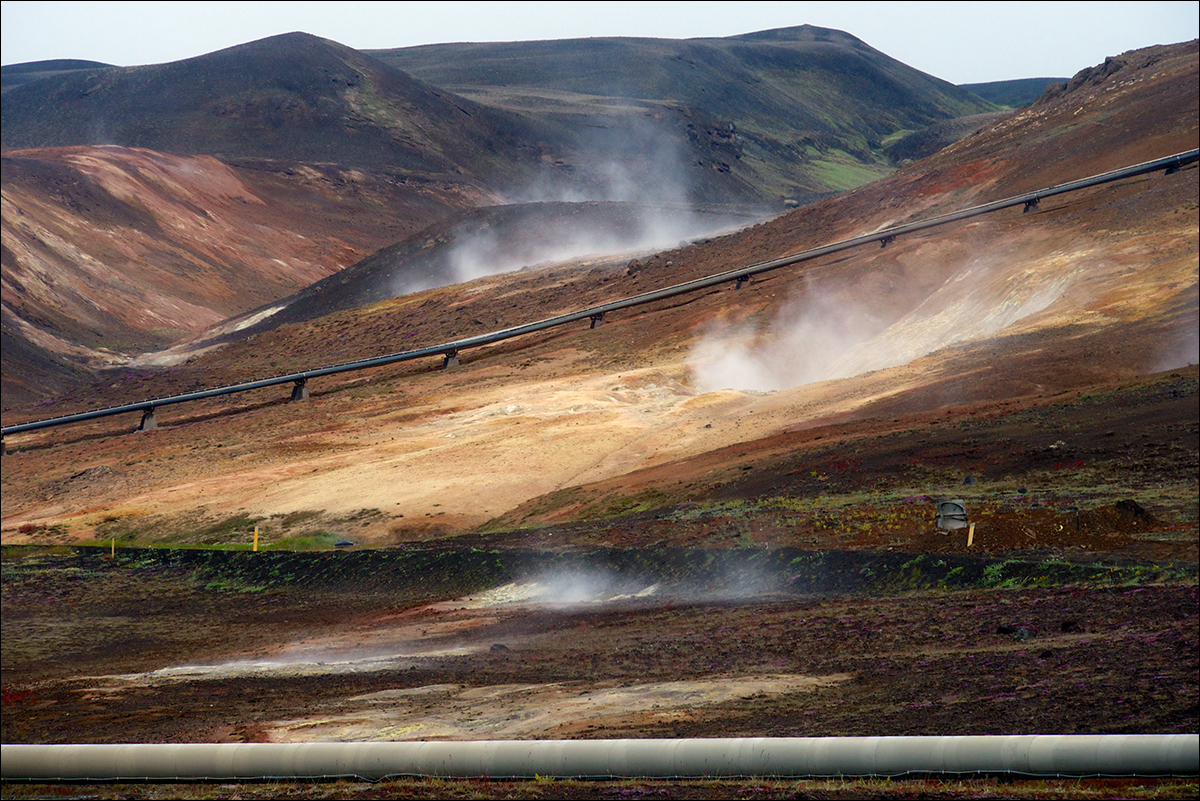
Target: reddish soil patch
(142, 649)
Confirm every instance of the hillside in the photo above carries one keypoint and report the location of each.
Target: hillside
(710, 516)
(791, 112)
(146, 206)
(1020, 349)
(499, 239)
(111, 251)
(16, 74)
(293, 97)
(1012, 94)
(779, 114)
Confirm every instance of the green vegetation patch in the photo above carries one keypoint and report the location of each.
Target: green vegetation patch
(841, 175)
(633, 504)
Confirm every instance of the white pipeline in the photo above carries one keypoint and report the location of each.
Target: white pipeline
(1030, 755)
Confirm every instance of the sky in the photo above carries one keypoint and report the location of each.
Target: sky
(961, 42)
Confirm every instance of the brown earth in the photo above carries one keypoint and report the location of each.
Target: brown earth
(147, 649)
(136, 650)
(1041, 367)
(113, 251)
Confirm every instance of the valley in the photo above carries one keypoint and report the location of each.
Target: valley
(712, 515)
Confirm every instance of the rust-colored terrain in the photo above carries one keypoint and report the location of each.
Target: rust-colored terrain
(1041, 367)
(114, 251)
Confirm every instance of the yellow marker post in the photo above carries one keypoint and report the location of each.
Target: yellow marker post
(256, 539)
(114, 548)
(970, 534)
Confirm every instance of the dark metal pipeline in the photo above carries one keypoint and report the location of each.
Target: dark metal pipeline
(450, 350)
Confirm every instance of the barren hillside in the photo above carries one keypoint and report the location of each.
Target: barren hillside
(732, 393)
(112, 251)
(712, 515)
(145, 205)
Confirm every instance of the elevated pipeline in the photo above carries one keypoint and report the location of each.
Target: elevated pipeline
(449, 350)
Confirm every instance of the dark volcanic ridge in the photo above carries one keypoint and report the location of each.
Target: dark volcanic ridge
(294, 96)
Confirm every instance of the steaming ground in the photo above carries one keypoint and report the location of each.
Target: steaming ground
(462, 627)
(491, 241)
(835, 330)
(651, 228)
(451, 450)
(1010, 308)
(449, 628)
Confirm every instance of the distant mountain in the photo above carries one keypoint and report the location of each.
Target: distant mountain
(1012, 94)
(16, 74)
(780, 113)
(293, 97)
(789, 113)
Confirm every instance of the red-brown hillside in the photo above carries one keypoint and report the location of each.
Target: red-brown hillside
(109, 251)
(951, 328)
(710, 516)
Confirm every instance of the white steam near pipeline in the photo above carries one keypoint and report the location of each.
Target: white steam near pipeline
(478, 255)
(638, 163)
(1181, 348)
(579, 587)
(384, 649)
(832, 332)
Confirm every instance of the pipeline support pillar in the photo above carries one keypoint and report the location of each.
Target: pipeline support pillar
(300, 390)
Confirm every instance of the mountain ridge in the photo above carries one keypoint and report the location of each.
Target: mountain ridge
(294, 95)
(796, 96)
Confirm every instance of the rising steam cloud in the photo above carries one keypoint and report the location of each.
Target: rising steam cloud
(637, 197)
(630, 158)
(830, 333)
(648, 228)
(806, 342)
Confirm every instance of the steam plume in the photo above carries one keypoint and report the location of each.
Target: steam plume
(833, 333)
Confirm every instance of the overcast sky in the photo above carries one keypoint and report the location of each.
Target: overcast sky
(959, 42)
